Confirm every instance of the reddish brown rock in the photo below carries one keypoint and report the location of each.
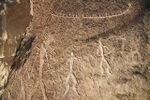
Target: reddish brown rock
(15, 17)
(66, 63)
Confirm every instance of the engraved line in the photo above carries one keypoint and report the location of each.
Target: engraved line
(23, 93)
(71, 76)
(100, 52)
(42, 55)
(100, 17)
(31, 7)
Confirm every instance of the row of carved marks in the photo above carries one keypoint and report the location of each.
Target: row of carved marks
(79, 10)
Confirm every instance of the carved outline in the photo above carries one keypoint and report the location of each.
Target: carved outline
(98, 17)
(100, 52)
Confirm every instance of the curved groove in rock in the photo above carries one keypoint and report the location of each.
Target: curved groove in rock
(129, 10)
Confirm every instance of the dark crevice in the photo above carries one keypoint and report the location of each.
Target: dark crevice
(147, 4)
(23, 52)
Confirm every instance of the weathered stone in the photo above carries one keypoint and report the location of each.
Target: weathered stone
(15, 17)
(67, 64)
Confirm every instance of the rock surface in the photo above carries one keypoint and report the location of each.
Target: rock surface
(15, 18)
(68, 63)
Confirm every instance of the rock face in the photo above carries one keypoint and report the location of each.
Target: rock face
(78, 57)
(15, 17)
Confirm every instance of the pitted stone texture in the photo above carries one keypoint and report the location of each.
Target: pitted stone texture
(15, 17)
(62, 68)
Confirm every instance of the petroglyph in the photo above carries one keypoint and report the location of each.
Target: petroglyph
(22, 88)
(67, 69)
(126, 12)
(42, 55)
(31, 7)
(105, 70)
(64, 13)
(71, 76)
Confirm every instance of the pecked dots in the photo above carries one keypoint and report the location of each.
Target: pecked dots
(89, 8)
